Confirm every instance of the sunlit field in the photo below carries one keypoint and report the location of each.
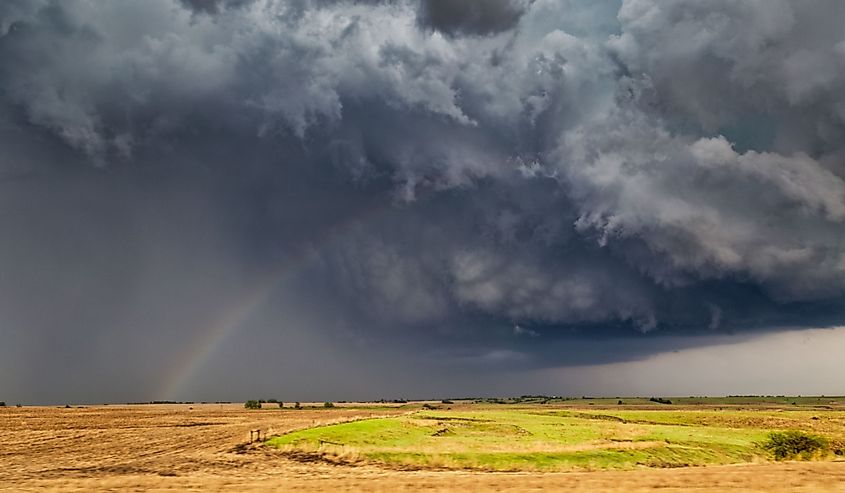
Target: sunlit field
(549, 438)
(540, 444)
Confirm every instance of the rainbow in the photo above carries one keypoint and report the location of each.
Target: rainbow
(218, 332)
(233, 318)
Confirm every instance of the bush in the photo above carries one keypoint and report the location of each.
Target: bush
(793, 444)
(328, 404)
(252, 404)
(2, 404)
(660, 400)
(281, 404)
(446, 401)
(296, 405)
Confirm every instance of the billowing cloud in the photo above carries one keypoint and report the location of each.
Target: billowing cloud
(421, 176)
(728, 66)
(707, 211)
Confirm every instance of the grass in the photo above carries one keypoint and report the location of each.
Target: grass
(755, 401)
(536, 438)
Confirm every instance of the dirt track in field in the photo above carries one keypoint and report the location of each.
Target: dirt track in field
(201, 447)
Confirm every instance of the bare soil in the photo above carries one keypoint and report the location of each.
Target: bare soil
(204, 447)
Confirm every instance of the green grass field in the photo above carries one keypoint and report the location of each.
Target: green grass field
(548, 438)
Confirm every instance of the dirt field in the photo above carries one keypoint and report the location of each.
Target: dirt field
(201, 447)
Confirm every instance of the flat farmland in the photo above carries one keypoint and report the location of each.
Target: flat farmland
(205, 447)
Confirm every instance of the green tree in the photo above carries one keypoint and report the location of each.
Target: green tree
(792, 444)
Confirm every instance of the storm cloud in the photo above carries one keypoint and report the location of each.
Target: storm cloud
(412, 180)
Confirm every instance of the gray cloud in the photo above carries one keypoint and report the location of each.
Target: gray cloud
(425, 175)
(213, 6)
(727, 65)
(472, 16)
(707, 210)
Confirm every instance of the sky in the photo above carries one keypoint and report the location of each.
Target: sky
(339, 199)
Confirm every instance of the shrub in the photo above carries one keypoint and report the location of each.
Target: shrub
(660, 400)
(328, 404)
(252, 404)
(281, 404)
(792, 444)
(446, 401)
(2, 404)
(296, 405)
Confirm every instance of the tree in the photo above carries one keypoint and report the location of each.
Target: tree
(328, 404)
(252, 404)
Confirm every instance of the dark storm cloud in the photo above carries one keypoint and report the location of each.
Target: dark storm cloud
(426, 176)
(471, 16)
(213, 6)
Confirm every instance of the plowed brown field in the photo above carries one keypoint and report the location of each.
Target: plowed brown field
(202, 447)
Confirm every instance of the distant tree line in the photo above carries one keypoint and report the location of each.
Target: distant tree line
(258, 404)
